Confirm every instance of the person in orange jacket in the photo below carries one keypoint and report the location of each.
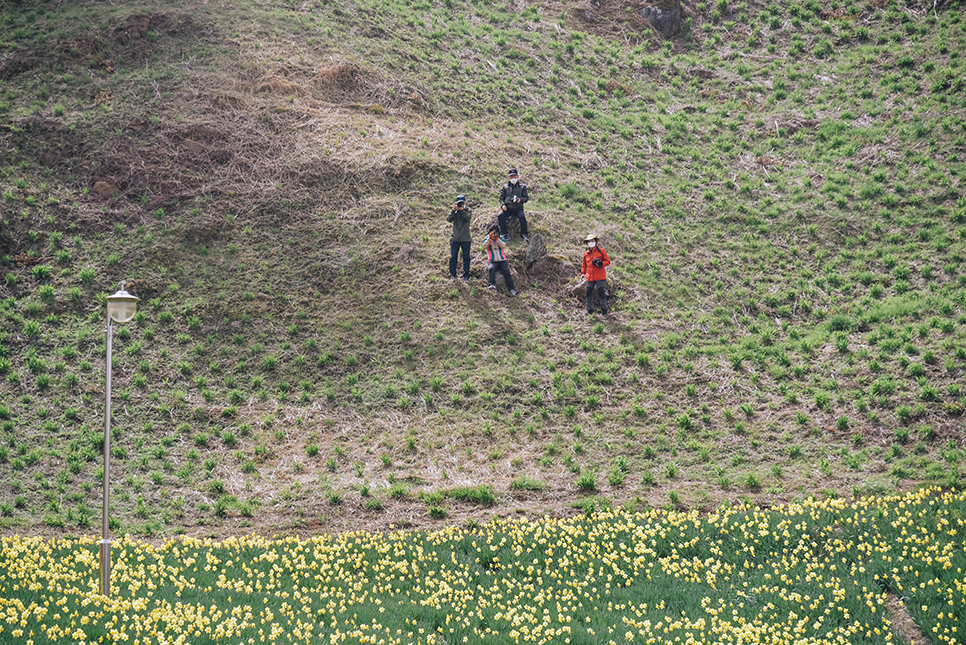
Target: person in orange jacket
(594, 273)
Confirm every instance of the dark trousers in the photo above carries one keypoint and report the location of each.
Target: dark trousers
(601, 295)
(502, 216)
(504, 268)
(454, 250)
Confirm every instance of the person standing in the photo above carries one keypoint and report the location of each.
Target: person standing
(460, 216)
(512, 198)
(594, 273)
(498, 260)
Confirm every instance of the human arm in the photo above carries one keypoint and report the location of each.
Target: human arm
(452, 215)
(525, 196)
(606, 259)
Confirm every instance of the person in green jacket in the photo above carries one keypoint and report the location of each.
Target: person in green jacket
(460, 216)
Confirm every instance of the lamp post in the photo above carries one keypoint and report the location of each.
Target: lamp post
(120, 308)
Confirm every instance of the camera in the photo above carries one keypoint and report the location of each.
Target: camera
(598, 262)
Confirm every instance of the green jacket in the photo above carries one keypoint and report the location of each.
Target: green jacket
(461, 224)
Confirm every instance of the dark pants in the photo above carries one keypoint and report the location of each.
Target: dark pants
(601, 295)
(504, 268)
(454, 249)
(502, 216)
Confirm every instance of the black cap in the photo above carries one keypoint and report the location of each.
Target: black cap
(513, 171)
(460, 198)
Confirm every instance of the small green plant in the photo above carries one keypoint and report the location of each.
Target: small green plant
(41, 272)
(587, 482)
(528, 484)
(616, 476)
(484, 494)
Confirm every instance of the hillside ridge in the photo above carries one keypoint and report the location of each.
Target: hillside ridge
(779, 187)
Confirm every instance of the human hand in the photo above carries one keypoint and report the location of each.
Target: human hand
(503, 207)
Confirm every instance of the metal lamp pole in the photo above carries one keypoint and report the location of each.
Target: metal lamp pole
(120, 308)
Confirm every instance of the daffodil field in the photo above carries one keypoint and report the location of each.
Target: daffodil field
(817, 572)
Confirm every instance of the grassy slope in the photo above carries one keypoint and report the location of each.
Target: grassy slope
(780, 193)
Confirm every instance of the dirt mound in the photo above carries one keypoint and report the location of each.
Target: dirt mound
(336, 179)
(48, 139)
(132, 39)
(340, 83)
(648, 18)
(125, 169)
(17, 62)
(140, 25)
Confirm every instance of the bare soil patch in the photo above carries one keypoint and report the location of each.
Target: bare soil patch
(902, 623)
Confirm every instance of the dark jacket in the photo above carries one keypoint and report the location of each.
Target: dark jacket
(461, 224)
(509, 191)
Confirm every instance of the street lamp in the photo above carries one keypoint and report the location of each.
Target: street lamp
(120, 308)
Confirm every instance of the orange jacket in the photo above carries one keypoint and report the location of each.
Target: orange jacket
(588, 269)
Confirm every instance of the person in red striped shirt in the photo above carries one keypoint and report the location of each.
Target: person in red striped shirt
(497, 259)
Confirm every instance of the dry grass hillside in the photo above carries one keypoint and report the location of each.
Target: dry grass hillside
(779, 186)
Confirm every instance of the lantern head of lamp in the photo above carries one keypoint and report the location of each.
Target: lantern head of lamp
(122, 306)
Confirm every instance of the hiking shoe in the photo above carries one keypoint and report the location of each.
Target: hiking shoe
(526, 238)
(590, 312)
(603, 312)
(453, 278)
(513, 292)
(491, 286)
(466, 280)
(503, 238)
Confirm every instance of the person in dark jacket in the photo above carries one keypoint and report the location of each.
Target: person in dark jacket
(512, 198)
(460, 216)
(592, 270)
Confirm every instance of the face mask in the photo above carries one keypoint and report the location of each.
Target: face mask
(513, 181)
(591, 244)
